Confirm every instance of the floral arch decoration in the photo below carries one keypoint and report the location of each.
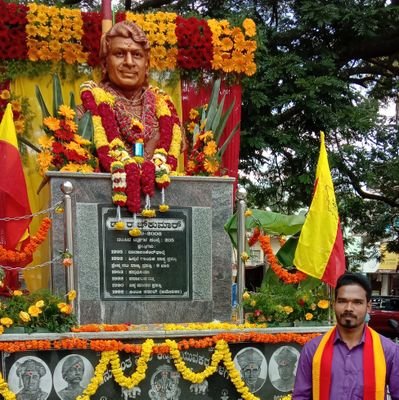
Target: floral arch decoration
(40, 33)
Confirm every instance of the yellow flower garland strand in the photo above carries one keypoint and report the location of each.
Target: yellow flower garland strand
(98, 376)
(186, 372)
(5, 390)
(222, 352)
(142, 365)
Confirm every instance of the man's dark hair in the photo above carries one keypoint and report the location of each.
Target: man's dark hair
(353, 278)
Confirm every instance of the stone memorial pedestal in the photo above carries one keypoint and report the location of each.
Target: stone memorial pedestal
(183, 277)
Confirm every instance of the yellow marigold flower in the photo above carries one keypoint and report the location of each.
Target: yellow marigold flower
(5, 94)
(244, 256)
(149, 213)
(119, 225)
(226, 44)
(250, 69)
(288, 309)
(44, 159)
(193, 114)
(119, 197)
(162, 179)
(70, 167)
(1, 329)
(211, 166)
(135, 232)
(71, 295)
(66, 111)
(191, 126)
(211, 148)
(80, 140)
(323, 304)
(248, 213)
(7, 322)
(72, 125)
(34, 311)
(163, 208)
(206, 136)
(39, 304)
(24, 316)
(17, 293)
(16, 105)
(246, 296)
(249, 26)
(308, 316)
(253, 303)
(52, 123)
(65, 308)
(19, 126)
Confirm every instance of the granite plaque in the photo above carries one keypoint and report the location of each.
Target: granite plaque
(155, 265)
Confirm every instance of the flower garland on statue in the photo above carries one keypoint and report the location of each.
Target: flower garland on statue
(131, 173)
(282, 273)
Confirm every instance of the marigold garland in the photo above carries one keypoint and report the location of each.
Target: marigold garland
(109, 355)
(23, 256)
(282, 273)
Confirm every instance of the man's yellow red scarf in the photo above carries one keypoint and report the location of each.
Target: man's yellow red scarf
(374, 367)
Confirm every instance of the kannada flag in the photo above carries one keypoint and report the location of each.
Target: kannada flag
(320, 249)
(14, 200)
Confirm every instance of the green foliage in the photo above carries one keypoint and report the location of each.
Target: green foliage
(277, 302)
(50, 316)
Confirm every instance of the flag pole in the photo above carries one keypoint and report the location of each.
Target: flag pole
(241, 196)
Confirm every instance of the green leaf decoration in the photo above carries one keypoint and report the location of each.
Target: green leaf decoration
(218, 115)
(213, 103)
(223, 121)
(43, 107)
(270, 222)
(72, 101)
(57, 94)
(228, 140)
(85, 126)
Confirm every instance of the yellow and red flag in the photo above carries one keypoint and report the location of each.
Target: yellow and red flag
(320, 249)
(14, 201)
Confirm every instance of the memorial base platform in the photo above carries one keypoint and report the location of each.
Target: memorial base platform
(168, 361)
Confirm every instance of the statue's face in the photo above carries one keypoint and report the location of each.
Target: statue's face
(127, 64)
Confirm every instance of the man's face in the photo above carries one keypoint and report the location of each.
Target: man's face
(74, 373)
(127, 63)
(31, 381)
(251, 373)
(351, 306)
(286, 370)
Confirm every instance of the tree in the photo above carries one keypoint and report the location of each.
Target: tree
(322, 65)
(325, 66)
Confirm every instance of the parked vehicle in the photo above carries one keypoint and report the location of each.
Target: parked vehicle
(384, 308)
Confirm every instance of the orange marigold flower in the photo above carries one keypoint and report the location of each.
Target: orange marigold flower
(52, 123)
